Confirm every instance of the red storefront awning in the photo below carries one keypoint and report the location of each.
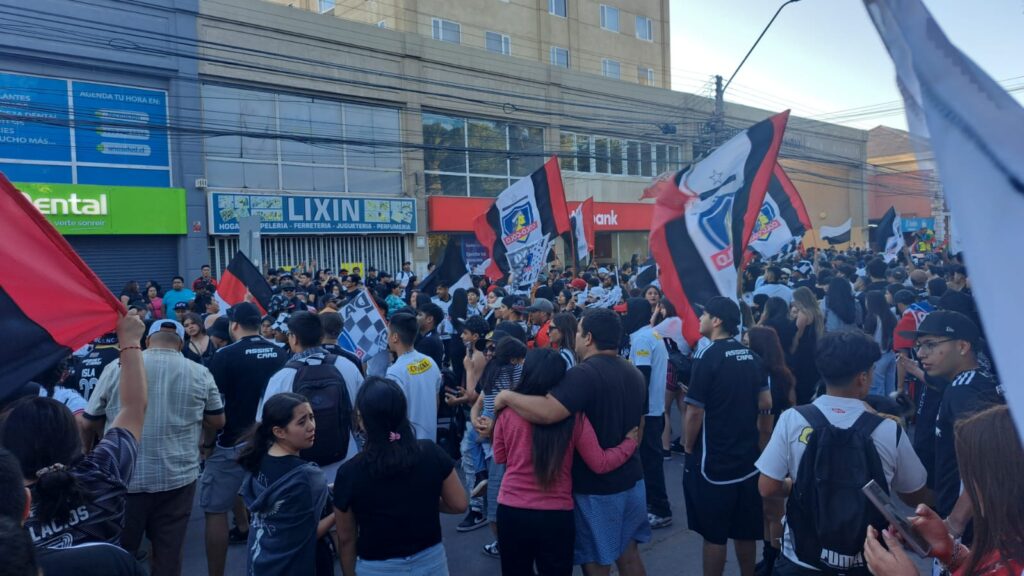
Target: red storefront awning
(456, 214)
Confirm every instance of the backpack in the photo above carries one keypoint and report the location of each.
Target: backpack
(827, 513)
(680, 363)
(324, 386)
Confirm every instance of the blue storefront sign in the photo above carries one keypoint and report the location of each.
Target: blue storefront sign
(62, 131)
(294, 214)
(915, 224)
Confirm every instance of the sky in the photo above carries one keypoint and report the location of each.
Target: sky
(823, 58)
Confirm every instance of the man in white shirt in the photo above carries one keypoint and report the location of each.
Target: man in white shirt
(773, 285)
(845, 360)
(405, 274)
(417, 374)
(305, 334)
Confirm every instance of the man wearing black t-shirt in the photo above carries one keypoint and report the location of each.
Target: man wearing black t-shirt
(86, 371)
(728, 420)
(611, 509)
(429, 316)
(241, 371)
(946, 344)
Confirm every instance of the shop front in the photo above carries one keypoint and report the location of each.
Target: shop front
(621, 229)
(329, 230)
(122, 232)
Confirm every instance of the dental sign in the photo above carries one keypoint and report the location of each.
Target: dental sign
(79, 209)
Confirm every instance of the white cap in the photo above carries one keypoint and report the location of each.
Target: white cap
(160, 324)
(602, 270)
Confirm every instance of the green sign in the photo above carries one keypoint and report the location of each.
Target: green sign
(86, 209)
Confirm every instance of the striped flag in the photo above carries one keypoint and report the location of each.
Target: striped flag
(51, 303)
(240, 280)
(974, 129)
(705, 216)
(530, 209)
(783, 217)
(837, 234)
(451, 270)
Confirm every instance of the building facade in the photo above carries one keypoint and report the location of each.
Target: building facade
(898, 179)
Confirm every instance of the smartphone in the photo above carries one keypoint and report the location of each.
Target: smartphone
(884, 503)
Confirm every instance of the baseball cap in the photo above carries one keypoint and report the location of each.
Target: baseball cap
(946, 323)
(578, 284)
(507, 328)
(244, 312)
(181, 305)
(167, 326)
(542, 305)
(722, 308)
(602, 271)
(219, 329)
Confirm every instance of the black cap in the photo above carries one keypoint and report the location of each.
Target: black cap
(219, 328)
(946, 323)
(181, 305)
(244, 312)
(724, 309)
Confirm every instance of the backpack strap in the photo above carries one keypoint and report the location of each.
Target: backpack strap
(813, 415)
(867, 422)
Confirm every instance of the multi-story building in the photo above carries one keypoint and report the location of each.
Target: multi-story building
(898, 179)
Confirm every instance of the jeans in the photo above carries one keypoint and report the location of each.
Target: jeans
(473, 462)
(429, 562)
(654, 467)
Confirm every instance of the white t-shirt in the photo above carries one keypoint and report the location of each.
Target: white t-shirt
(780, 290)
(283, 379)
(647, 348)
(781, 457)
(68, 397)
(445, 329)
(420, 379)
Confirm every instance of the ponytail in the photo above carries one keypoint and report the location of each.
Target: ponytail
(277, 413)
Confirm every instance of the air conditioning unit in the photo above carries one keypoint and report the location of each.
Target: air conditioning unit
(201, 184)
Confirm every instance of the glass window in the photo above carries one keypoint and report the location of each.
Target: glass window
(615, 155)
(559, 57)
(487, 187)
(221, 113)
(444, 140)
(644, 28)
(526, 144)
(487, 135)
(326, 5)
(445, 184)
(645, 159)
(365, 127)
(645, 75)
(567, 147)
(374, 180)
(498, 43)
(600, 155)
(557, 7)
(447, 30)
(661, 158)
(610, 68)
(609, 18)
(257, 117)
(674, 161)
(582, 153)
(633, 158)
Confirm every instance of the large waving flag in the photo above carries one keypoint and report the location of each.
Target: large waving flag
(974, 127)
(582, 229)
(889, 235)
(364, 332)
(240, 280)
(705, 216)
(452, 270)
(526, 212)
(51, 303)
(837, 234)
(783, 218)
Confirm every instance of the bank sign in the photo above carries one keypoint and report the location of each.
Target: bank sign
(60, 130)
(293, 214)
(80, 209)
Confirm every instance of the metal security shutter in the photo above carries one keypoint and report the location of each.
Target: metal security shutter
(118, 259)
(383, 252)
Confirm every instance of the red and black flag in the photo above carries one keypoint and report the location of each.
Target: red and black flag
(783, 217)
(239, 280)
(705, 216)
(522, 215)
(51, 303)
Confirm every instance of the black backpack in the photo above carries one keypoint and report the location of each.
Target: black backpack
(324, 386)
(680, 363)
(827, 513)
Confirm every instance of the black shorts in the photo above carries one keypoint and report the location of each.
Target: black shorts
(720, 512)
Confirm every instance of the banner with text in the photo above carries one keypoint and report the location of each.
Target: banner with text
(295, 214)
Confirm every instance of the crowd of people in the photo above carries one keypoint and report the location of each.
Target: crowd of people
(545, 415)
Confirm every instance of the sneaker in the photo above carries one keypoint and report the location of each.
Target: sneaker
(659, 521)
(236, 536)
(677, 447)
(480, 488)
(475, 519)
(666, 454)
(492, 550)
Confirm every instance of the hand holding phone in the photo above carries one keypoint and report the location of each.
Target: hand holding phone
(884, 503)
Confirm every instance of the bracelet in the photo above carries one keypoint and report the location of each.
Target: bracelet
(956, 557)
(123, 348)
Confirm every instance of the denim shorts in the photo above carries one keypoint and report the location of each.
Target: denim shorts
(429, 562)
(221, 480)
(607, 523)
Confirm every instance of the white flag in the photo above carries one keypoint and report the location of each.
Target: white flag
(526, 263)
(836, 234)
(579, 233)
(974, 128)
(364, 326)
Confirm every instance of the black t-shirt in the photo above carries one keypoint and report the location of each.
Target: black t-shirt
(272, 468)
(87, 369)
(429, 344)
(924, 430)
(202, 356)
(726, 380)
(242, 370)
(88, 560)
(395, 516)
(612, 393)
(339, 351)
(970, 392)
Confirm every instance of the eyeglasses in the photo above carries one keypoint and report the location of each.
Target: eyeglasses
(929, 347)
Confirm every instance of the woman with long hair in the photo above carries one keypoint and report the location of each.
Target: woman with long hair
(131, 295)
(198, 347)
(840, 307)
(991, 462)
(764, 342)
(810, 326)
(286, 494)
(563, 337)
(880, 324)
(535, 506)
(653, 295)
(387, 498)
(79, 497)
